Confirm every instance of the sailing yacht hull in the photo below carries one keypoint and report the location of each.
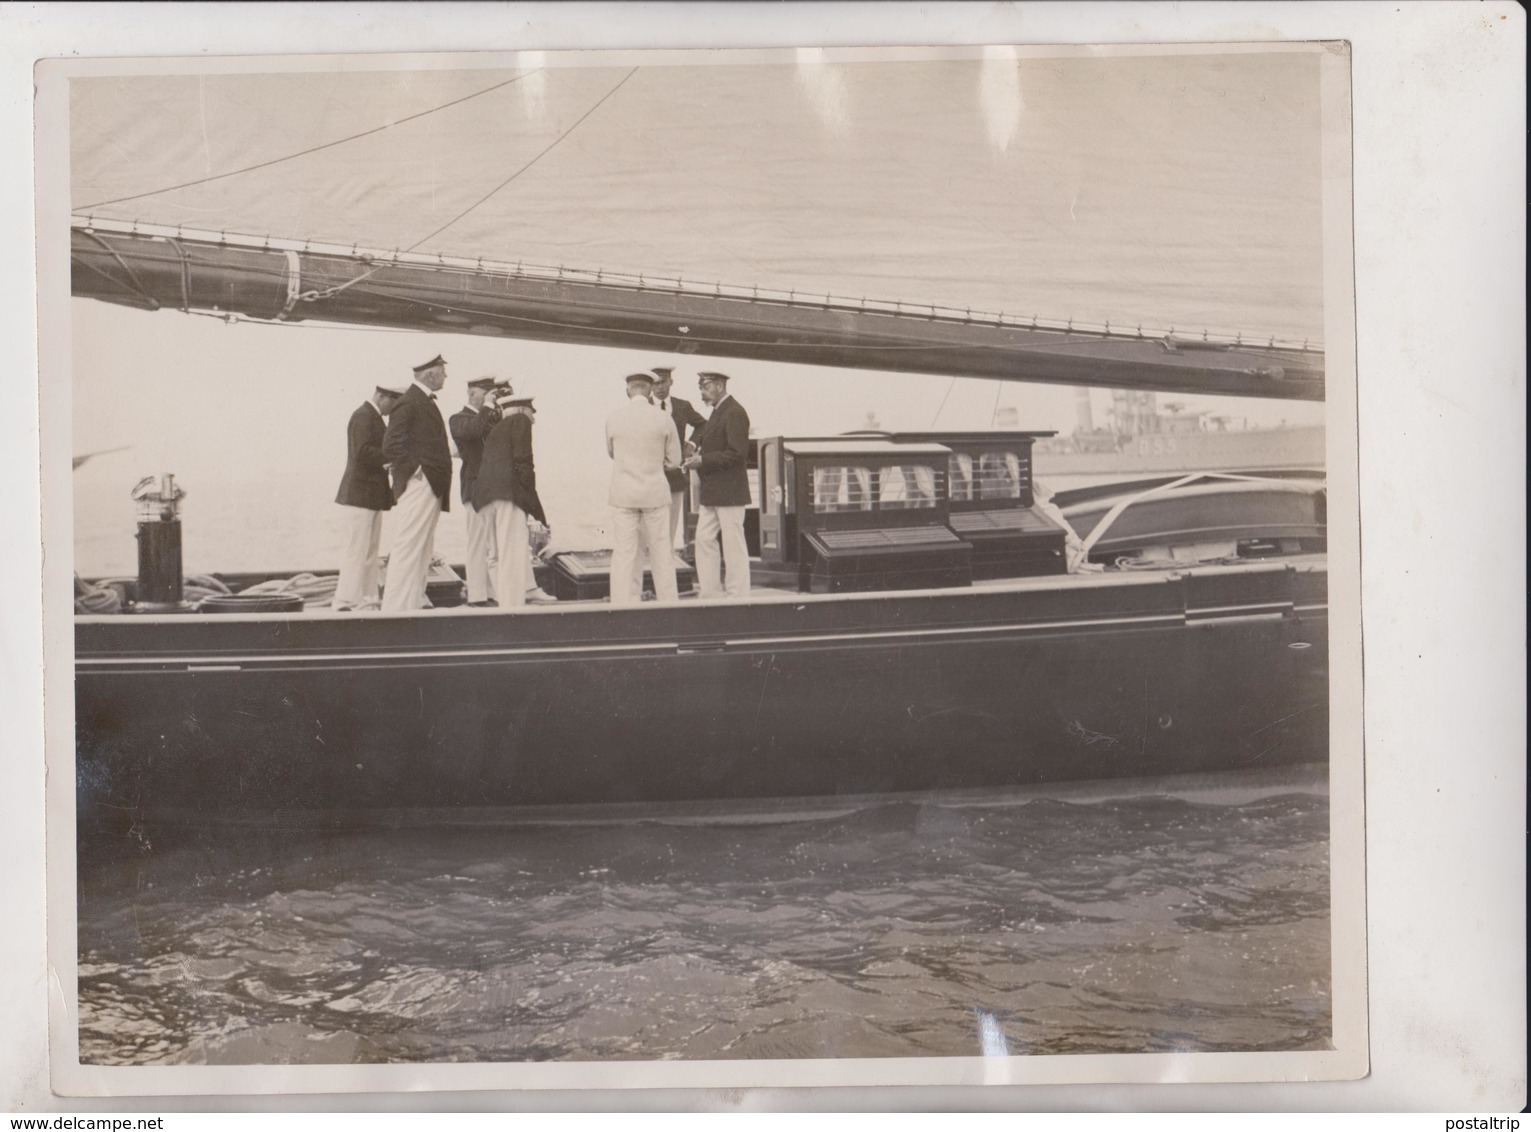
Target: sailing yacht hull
(1052, 680)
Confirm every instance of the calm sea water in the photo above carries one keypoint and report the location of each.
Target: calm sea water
(1142, 921)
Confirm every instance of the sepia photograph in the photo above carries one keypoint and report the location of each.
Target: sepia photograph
(735, 567)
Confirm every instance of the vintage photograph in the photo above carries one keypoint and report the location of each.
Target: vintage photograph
(779, 561)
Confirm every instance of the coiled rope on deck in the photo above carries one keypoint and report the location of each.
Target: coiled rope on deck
(315, 590)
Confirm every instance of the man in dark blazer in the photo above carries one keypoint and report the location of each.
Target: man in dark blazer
(416, 449)
(685, 416)
(722, 453)
(469, 426)
(363, 497)
(506, 493)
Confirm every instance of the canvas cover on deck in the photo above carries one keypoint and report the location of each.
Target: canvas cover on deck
(1180, 193)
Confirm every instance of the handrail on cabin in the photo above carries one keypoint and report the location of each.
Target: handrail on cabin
(1116, 512)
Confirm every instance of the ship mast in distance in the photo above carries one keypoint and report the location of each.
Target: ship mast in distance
(1085, 413)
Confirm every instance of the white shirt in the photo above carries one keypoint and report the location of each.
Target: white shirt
(426, 389)
(640, 439)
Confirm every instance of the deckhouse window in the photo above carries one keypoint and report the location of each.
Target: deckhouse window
(906, 486)
(999, 476)
(961, 473)
(838, 488)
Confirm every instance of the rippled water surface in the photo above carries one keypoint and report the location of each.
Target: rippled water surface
(1147, 922)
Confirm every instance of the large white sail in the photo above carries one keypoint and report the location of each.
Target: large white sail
(1132, 191)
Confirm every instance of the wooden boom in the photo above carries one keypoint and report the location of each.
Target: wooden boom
(294, 283)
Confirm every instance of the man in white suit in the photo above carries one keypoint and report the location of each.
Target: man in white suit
(642, 442)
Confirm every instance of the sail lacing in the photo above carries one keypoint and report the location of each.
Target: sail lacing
(137, 284)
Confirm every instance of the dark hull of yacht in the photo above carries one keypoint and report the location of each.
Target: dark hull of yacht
(1050, 680)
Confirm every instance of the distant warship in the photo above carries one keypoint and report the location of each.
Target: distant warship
(1144, 436)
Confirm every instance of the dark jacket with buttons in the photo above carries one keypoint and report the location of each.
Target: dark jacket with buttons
(417, 439)
(724, 446)
(469, 427)
(507, 470)
(365, 482)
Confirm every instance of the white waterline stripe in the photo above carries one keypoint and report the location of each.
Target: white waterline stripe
(1040, 626)
(1270, 606)
(698, 646)
(210, 663)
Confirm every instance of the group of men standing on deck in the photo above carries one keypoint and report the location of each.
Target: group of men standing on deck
(650, 460)
(398, 458)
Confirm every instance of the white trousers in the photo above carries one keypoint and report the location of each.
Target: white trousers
(360, 528)
(677, 514)
(414, 541)
(646, 527)
(481, 555)
(513, 573)
(729, 522)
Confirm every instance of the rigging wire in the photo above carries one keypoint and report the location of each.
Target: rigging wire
(950, 386)
(528, 165)
(999, 387)
(234, 319)
(312, 296)
(312, 149)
